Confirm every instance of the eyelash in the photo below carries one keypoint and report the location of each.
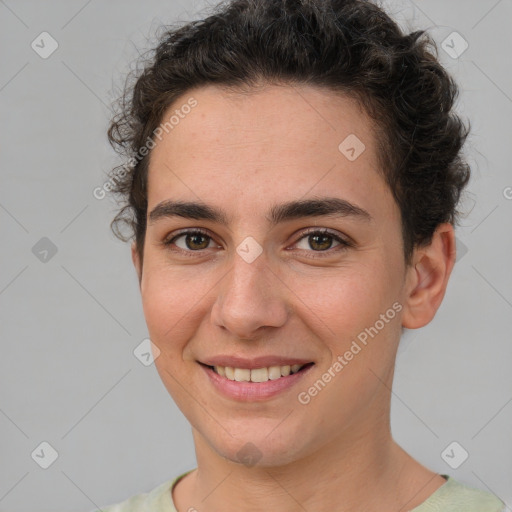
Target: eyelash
(344, 244)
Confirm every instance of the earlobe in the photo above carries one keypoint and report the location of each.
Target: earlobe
(428, 278)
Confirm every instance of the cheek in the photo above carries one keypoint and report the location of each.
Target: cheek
(359, 321)
(361, 345)
(172, 306)
(346, 299)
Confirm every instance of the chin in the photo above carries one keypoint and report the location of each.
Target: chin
(257, 448)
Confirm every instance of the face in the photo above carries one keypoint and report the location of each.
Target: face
(264, 285)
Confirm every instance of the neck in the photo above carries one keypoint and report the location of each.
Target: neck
(363, 468)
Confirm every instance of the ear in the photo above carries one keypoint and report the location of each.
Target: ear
(136, 261)
(428, 276)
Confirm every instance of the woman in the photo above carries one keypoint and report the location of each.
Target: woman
(293, 177)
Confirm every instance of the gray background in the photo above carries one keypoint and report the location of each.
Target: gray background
(70, 324)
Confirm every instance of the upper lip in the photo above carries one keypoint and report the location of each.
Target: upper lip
(255, 362)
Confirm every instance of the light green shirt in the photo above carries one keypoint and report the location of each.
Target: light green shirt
(452, 496)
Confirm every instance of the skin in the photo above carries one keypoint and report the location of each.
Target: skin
(245, 153)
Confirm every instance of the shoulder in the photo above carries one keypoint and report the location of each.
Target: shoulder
(158, 499)
(455, 496)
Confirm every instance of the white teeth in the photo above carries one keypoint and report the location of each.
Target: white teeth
(274, 372)
(257, 374)
(242, 375)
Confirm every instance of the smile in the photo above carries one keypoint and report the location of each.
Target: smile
(257, 374)
(255, 384)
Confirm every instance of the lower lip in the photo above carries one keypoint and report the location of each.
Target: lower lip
(253, 391)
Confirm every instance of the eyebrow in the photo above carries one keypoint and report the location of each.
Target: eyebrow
(324, 206)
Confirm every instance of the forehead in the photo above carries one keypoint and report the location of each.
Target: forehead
(277, 143)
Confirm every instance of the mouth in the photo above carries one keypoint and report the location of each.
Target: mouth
(257, 375)
(258, 383)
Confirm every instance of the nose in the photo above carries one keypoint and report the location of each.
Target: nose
(250, 299)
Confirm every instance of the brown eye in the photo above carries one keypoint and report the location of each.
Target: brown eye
(193, 240)
(322, 241)
(197, 241)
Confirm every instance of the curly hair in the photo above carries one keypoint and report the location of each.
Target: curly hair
(351, 47)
